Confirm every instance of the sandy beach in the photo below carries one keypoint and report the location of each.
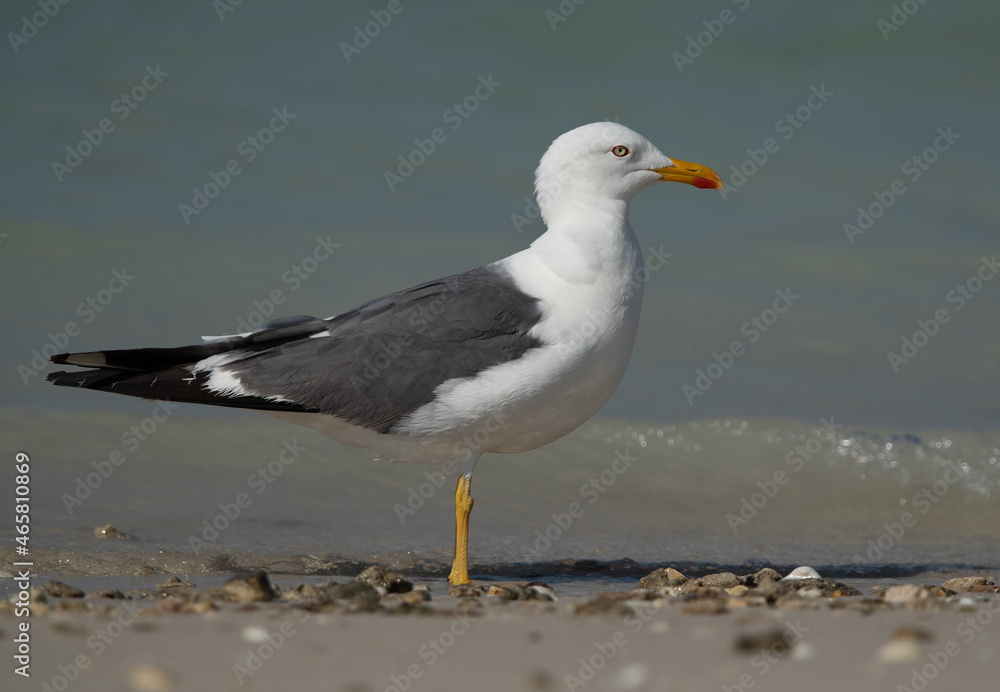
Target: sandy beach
(386, 632)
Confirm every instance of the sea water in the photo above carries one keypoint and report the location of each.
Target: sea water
(815, 375)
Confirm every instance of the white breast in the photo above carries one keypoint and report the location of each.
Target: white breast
(590, 306)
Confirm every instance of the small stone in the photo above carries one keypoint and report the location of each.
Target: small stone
(662, 578)
(903, 593)
(150, 679)
(174, 583)
(111, 533)
(72, 605)
(962, 584)
(254, 634)
(417, 596)
(377, 576)
(763, 575)
(632, 676)
(721, 580)
(605, 603)
(802, 651)
(68, 629)
(986, 588)
(904, 645)
(899, 651)
(753, 642)
(303, 591)
(538, 680)
(57, 589)
(107, 593)
(803, 573)
(249, 588)
(355, 590)
(704, 606)
(540, 592)
(737, 590)
(793, 601)
(466, 590)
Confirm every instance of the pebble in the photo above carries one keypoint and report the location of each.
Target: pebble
(175, 583)
(249, 588)
(146, 678)
(110, 532)
(379, 578)
(722, 580)
(904, 646)
(704, 606)
(57, 589)
(254, 634)
(632, 676)
(904, 593)
(961, 584)
(803, 572)
(662, 578)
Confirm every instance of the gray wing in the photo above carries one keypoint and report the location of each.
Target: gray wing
(383, 360)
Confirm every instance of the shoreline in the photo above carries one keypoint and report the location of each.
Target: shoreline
(382, 631)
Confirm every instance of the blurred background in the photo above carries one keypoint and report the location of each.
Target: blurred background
(172, 169)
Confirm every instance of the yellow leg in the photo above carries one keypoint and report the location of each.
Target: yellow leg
(463, 508)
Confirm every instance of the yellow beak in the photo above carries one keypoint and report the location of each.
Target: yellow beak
(692, 174)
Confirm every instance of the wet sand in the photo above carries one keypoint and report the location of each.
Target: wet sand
(395, 632)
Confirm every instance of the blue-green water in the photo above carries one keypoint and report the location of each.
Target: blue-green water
(807, 112)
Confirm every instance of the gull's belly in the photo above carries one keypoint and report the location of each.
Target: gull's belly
(538, 398)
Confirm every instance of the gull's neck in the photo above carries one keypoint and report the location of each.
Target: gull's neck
(588, 240)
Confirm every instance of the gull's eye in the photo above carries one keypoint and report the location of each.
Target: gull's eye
(619, 150)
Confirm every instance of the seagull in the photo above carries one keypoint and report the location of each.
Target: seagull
(502, 359)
